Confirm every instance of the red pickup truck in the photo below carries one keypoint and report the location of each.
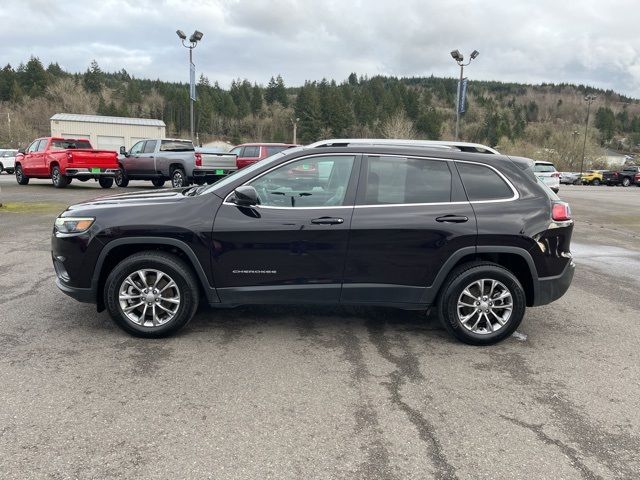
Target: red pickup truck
(62, 159)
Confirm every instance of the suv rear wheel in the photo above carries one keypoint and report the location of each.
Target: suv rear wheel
(482, 303)
(151, 294)
(626, 181)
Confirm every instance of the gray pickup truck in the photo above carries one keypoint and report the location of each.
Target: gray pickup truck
(163, 159)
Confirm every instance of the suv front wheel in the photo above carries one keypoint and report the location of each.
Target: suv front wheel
(151, 294)
(482, 303)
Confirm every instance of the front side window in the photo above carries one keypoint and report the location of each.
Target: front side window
(308, 182)
(399, 180)
(149, 146)
(483, 183)
(42, 145)
(34, 146)
(137, 148)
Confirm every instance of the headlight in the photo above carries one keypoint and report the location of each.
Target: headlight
(73, 224)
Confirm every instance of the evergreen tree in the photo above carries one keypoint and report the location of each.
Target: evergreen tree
(92, 79)
(34, 78)
(270, 94)
(256, 100)
(307, 109)
(605, 122)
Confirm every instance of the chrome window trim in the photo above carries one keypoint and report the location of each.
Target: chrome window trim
(354, 155)
(515, 196)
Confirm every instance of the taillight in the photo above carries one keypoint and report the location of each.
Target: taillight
(561, 212)
(198, 160)
(556, 174)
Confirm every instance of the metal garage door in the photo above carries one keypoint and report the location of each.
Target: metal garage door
(110, 143)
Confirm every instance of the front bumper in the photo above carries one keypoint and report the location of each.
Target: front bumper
(90, 172)
(549, 289)
(84, 295)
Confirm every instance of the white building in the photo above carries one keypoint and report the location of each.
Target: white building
(106, 133)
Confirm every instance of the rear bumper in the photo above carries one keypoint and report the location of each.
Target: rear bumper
(89, 173)
(212, 172)
(549, 289)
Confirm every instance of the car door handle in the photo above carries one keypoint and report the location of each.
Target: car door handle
(327, 221)
(452, 219)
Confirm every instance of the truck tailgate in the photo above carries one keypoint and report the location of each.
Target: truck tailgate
(224, 161)
(93, 158)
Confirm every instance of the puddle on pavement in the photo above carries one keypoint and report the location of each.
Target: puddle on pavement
(615, 261)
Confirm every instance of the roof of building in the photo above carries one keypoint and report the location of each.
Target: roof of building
(75, 117)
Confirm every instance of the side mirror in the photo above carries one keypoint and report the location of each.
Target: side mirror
(123, 151)
(21, 150)
(245, 196)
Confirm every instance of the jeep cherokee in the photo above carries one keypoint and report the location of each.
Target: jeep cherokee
(475, 235)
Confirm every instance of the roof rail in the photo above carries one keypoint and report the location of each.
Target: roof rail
(461, 146)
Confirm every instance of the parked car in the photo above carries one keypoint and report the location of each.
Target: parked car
(63, 159)
(162, 159)
(624, 177)
(636, 178)
(477, 235)
(249, 153)
(547, 172)
(8, 160)
(592, 177)
(570, 178)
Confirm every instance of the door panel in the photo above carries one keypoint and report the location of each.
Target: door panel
(132, 162)
(410, 217)
(278, 253)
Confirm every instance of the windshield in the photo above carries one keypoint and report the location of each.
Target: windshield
(247, 171)
(544, 168)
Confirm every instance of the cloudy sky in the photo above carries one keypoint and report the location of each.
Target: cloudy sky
(591, 42)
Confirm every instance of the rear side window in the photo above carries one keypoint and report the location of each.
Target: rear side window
(251, 152)
(398, 180)
(274, 150)
(483, 183)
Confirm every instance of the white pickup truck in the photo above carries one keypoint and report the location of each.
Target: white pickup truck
(162, 159)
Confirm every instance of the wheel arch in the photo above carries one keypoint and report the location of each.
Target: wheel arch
(517, 260)
(117, 250)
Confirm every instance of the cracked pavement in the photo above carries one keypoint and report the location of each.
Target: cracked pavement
(320, 392)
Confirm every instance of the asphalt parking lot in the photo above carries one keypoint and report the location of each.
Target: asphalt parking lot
(288, 392)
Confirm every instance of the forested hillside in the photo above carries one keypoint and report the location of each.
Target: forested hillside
(543, 121)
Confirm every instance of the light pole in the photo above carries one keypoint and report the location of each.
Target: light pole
(193, 42)
(589, 99)
(457, 56)
(575, 135)
(294, 122)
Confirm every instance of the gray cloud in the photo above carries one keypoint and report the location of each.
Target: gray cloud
(544, 41)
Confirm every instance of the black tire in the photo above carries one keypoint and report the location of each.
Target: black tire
(158, 182)
(2, 169)
(105, 182)
(461, 278)
(179, 178)
(595, 182)
(121, 178)
(58, 179)
(21, 178)
(169, 265)
(626, 182)
(199, 181)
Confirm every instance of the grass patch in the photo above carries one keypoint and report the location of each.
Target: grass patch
(32, 207)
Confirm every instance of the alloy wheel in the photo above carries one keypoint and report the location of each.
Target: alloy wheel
(484, 306)
(177, 180)
(149, 297)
